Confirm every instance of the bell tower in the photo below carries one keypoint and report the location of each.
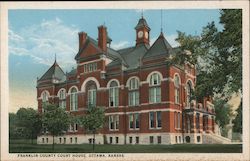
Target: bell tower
(142, 32)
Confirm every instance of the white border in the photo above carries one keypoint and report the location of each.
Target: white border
(127, 5)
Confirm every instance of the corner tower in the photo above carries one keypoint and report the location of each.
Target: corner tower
(142, 32)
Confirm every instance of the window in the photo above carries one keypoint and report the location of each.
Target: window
(113, 94)
(197, 121)
(151, 139)
(178, 120)
(110, 140)
(62, 98)
(180, 139)
(131, 121)
(114, 122)
(175, 120)
(177, 89)
(159, 139)
(60, 140)
(137, 140)
(158, 116)
(47, 140)
(130, 140)
(137, 122)
(73, 99)
(45, 99)
(151, 120)
(91, 95)
(117, 140)
(176, 139)
(64, 140)
(155, 88)
(90, 67)
(71, 140)
(75, 139)
(189, 93)
(73, 127)
(133, 92)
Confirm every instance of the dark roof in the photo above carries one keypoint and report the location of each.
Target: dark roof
(72, 72)
(160, 47)
(54, 72)
(133, 55)
(142, 23)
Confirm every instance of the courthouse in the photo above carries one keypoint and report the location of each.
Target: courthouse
(147, 99)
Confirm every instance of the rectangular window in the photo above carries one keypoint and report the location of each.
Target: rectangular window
(151, 139)
(71, 140)
(75, 139)
(137, 122)
(117, 140)
(85, 68)
(60, 140)
(110, 140)
(64, 140)
(111, 122)
(155, 95)
(158, 115)
(130, 140)
(176, 139)
(159, 139)
(94, 66)
(114, 96)
(47, 140)
(131, 121)
(137, 140)
(92, 98)
(117, 122)
(133, 98)
(151, 120)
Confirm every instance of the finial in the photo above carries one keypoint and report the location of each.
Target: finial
(161, 20)
(55, 57)
(142, 13)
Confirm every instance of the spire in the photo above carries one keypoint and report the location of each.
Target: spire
(161, 20)
(142, 13)
(55, 57)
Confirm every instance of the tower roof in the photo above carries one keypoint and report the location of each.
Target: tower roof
(160, 47)
(142, 23)
(54, 72)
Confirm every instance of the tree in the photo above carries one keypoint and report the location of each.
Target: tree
(217, 55)
(238, 120)
(223, 112)
(56, 120)
(93, 121)
(29, 121)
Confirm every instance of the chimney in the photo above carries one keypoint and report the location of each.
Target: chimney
(102, 38)
(82, 39)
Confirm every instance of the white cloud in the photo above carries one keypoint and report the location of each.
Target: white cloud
(42, 41)
(120, 45)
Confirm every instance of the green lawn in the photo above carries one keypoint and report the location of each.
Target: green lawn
(20, 146)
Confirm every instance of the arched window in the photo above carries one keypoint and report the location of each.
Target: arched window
(189, 93)
(45, 97)
(73, 99)
(91, 91)
(133, 93)
(113, 94)
(177, 89)
(155, 88)
(62, 98)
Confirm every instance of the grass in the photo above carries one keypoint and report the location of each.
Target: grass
(25, 146)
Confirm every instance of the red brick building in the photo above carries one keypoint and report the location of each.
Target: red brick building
(146, 100)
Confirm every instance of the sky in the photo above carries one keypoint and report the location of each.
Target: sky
(35, 36)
